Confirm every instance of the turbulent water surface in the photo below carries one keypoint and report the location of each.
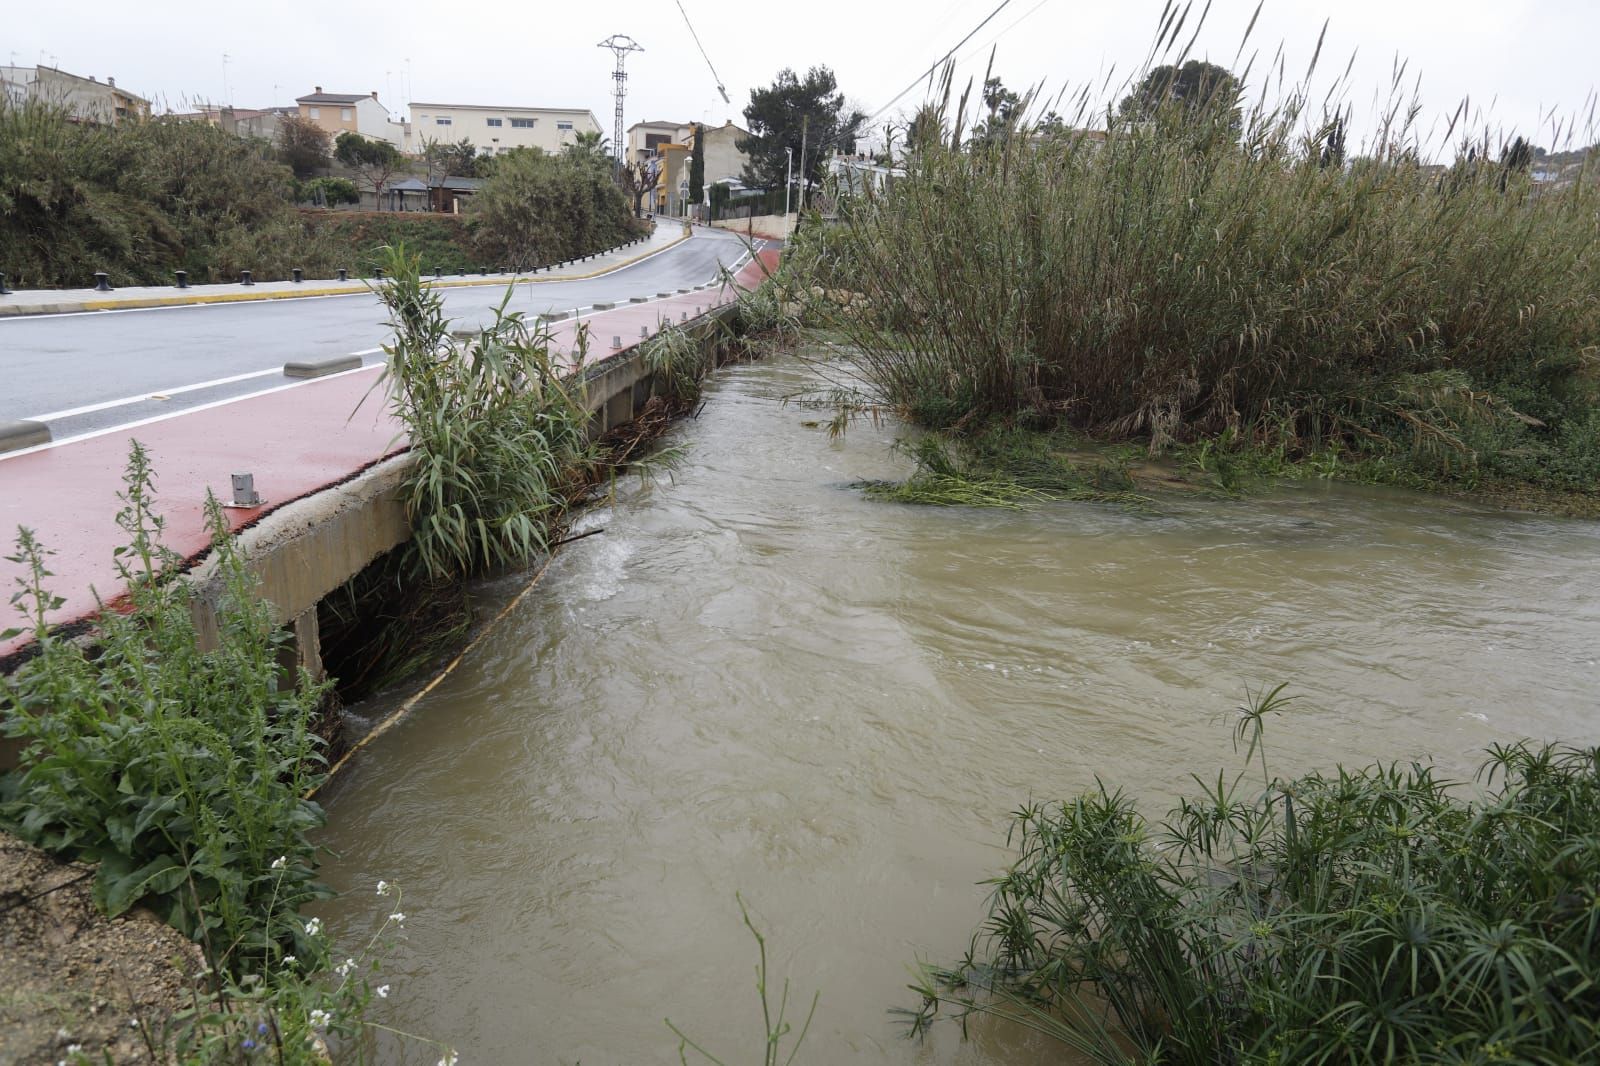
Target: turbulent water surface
(757, 680)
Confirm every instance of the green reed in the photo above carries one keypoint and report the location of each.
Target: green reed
(1183, 276)
(496, 434)
(1381, 914)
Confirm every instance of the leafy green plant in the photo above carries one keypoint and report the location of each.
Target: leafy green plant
(1374, 915)
(497, 437)
(179, 770)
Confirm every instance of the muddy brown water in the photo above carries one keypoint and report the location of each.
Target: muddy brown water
(757, 680)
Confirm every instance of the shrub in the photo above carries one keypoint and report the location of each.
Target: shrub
(180, 771)
(1373, 915)
(536, 209)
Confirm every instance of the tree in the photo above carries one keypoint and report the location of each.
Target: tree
(373, 161)
(1333, 144)
(302, 146)
(458, 160)
(539, 208)
(1515, 158)
(697, 165)
(1003, 105)
(778, 114)
(1198, 96)
(590, 148)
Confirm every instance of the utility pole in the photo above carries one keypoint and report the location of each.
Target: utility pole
(620, 45)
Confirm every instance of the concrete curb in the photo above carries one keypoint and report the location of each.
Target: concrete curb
(302, 294)
(22, 434)
(319, 368)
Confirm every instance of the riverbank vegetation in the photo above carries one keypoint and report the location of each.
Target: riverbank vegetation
(1185, 268)
(1381, 914)
(143, 199)
(181, 772)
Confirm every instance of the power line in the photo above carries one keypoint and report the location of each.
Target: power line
(935, 65)
(715, 76)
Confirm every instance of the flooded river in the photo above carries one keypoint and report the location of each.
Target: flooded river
(757, 680)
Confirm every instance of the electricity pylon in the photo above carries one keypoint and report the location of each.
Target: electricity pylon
(620, 45)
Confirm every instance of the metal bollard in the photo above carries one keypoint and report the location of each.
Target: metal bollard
(245, 278)
(182, 277)
(685, 317)
(102, 281)
(377, 272)
(299, 275)
(644, 331)
(3, 290)
(244, 491)
(616, 342)
(344, 275)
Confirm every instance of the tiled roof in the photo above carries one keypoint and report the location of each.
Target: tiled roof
(331, 98)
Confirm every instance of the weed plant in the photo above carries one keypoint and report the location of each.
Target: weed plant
(1172, 278)
(1383, 914)
(496, 435)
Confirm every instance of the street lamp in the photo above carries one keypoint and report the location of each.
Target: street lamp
(788, 180)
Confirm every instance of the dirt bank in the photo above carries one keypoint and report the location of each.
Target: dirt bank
(73, 980)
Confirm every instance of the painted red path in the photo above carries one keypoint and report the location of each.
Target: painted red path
(295, 440)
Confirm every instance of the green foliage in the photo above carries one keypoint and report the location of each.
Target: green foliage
(180, 771)
(775, 118)
(1136, 287)
(1372, 915)
(442, 242)
(495, 434)
(697, 165)
(1195, 95)
(458, 160)
(328, 192)
(537, 209)
(303, 146)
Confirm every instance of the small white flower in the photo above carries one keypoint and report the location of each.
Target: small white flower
(73, 1049)
(313, 927)
(133, 1023)
(398, 918)
(288, 960)
(280, 862)
(383, 991)
(345, 967)
(320, 1018)
(383, 888)
(449, 1058)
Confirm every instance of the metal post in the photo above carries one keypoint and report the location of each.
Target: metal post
(299, 275)
(183, 278)
(245, 278)
(102, 281)
(788, 179)
(344, 275)
(3, 290)
(378, 273)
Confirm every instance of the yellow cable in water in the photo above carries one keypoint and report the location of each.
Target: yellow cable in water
(405, 708)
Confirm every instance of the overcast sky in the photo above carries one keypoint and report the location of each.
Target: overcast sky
(1519, 61)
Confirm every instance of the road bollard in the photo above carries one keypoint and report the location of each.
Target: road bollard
(685, 317)
(102, 281)
(3, 290)
(299, 275)
(644, 331)
(344, 275)
(245, 278)
(377, 272)
(616, 342)
(182, 277)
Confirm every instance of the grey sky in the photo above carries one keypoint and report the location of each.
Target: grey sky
(1516, 59)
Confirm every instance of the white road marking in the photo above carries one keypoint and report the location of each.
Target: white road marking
(162, 394)
(179, 414)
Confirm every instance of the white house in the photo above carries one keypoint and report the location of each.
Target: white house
(493, 130)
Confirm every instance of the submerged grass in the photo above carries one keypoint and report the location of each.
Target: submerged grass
(1006, 468)
(1381, 914)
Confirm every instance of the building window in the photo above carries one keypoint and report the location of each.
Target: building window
(495, 121)
(316, 112)
(563, 125)
(523, 123)
(344, 114)
(441, 121)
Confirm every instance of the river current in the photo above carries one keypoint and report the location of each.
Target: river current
(757, 680)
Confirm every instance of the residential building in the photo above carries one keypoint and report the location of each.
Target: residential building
(645, 138)
(241, 121)
(351, 113)
(88, 99)
(495, 130)
(720, 146)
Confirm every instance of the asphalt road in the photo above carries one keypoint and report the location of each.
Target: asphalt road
(81, 373)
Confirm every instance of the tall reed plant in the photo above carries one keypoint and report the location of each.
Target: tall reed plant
(497, 436)
(1132, 278)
